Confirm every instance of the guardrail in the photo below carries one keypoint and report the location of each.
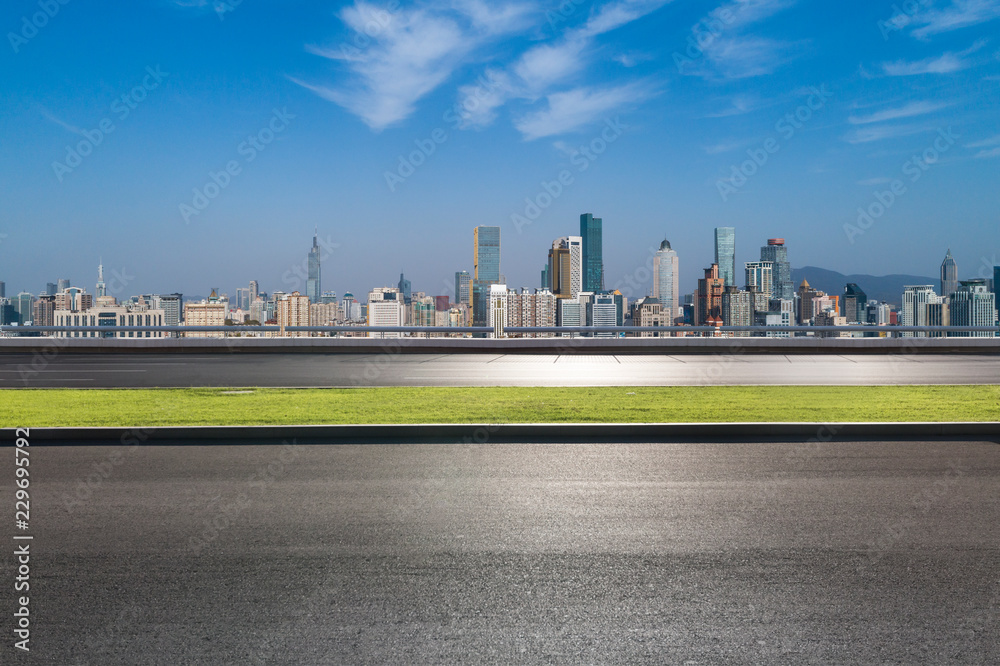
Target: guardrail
(665, 331)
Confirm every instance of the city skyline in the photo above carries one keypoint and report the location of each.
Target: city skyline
(847, 133)
(305, 278)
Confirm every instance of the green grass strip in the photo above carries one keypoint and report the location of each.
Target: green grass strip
(209, 406)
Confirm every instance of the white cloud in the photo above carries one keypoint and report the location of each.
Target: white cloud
(907, 111)
(574, 109)
(744, 57)
(545, 65)
(880, 132)
(541, 68)
(991, 147)
(992, 152)
(730, 54)
(407, 54)
(946, 63)
(960, 14)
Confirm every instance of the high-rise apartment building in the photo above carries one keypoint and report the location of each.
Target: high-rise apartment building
(385, 308)
(972, 304)
(949, 275)
(760, 274)
(463, 288)
(293, 310)
(211, 312)
(666, 280)
(565, 268)
(591, 233)
(737, 309)
(915, 301)
(725, 253)
(708, 299)
(313, 281)
(776, 253)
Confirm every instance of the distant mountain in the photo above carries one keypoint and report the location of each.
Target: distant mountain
(887, 288)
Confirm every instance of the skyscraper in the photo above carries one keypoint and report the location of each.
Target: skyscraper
(313, 282)
(855, 304)
(405, 288)
(666, 280)
(565, 268)
(3, 289)
(486, 254)
(725, 253)
(463, 288)
(973, 305)
(591, 231)
(101, 290)
(254, 290)
(62, 284)
(760, 274)
(708, 299)
(949, 275)
(915, 301)
(776, 252)
(486, 270)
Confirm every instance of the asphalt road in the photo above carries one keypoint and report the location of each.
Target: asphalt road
(641, 553)
(291, 370)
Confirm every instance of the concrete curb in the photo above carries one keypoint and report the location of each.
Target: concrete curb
(504, 433)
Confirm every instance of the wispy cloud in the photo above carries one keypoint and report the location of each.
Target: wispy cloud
(413, 51)
(719, 148)
(946, 63)
(959, 14)
(575, 109)
(880, 132)
(745, 57)
(48, 115)
(730, 53)
(990, 146)
(907, 111)
(536, 72)
(739, 105)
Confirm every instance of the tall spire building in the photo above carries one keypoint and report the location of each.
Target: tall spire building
(102, 289)
(949, 275)
(313, 282)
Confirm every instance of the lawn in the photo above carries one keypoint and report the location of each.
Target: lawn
(204, 406)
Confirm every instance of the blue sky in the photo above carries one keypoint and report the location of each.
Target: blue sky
(217, 135)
